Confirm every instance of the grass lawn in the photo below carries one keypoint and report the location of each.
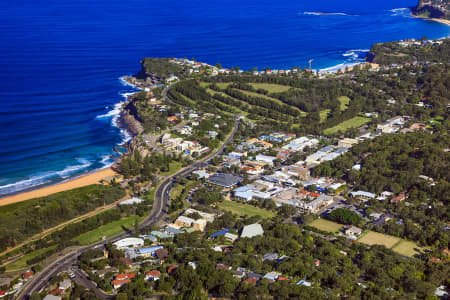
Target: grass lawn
(324, 114)
(438, 120)
(271, 88)
(375, 238)
(176, 191)
(253, 94)
(221, 85)
(241, 209)
(344, 126)
(173, 167)
(107, 230)
(344, 100)
(326, 225)
(407, 248)
(21, 263)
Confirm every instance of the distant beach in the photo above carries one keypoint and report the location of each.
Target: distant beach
(84, 180)
(443, 21)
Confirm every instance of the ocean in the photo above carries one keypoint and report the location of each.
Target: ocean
(61, 63)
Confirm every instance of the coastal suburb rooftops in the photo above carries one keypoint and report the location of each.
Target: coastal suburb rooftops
(224, 180)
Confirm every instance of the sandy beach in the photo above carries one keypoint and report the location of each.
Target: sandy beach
(443, 21)
(88, 179)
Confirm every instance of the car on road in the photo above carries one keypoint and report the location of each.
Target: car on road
(72, 275)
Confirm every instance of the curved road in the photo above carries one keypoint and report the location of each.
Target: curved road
(159, 211)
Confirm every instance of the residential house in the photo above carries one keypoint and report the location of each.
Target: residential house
(238, 274)
(122, 279)
(102, 273)
(304, 283)
(152, 275)
(231, 237)
(353, 231)
(267, 159)
(199, 225)
(362, 195)
(272, 276)
(172, 119)
(183, 221)
(27, 275)
(347, 142)
(270, 256)
(222, 267)
(399, 198)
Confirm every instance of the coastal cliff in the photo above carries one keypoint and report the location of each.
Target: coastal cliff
(432, 9)
(128, 117)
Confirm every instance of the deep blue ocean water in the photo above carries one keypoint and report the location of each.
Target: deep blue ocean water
(61, 61)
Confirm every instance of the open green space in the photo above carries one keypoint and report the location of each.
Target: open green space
(396, 244)
(108, 230)
(344, 101)
(176, 191)
(326, 225)
(408, 248)
(344, 126)
(233, 108)
(278, 101)
(271, 88)
(324, 115)
(173, 167)
(241, 209)
(221, 85)
(21, 263)
(253, 94)
(376, 238)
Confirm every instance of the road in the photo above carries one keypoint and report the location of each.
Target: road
(159, 211)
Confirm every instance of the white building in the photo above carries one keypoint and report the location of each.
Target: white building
(252, 230)
(264, 158)
(129, 243)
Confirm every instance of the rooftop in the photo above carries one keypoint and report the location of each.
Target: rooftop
(224, 180)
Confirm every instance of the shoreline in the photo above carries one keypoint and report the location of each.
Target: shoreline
(76, 182)
(442, 21)
(84, 179)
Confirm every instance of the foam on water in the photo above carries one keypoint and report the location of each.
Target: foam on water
(84, 163)
(404, 12)
(314, 13)
(45, 178)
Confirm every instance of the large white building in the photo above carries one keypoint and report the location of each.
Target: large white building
(129, 243)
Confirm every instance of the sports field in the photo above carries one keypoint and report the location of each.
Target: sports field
(408, 248)
(344, 126)
(241, 209)
(375, 238)
(326, 225)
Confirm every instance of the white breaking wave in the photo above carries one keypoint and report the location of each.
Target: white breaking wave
(107, 160)
(339, 67)
(404, 11)
(355, 53)
(314, 13)
(44, 178)
(126, 83)
(84, 163)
